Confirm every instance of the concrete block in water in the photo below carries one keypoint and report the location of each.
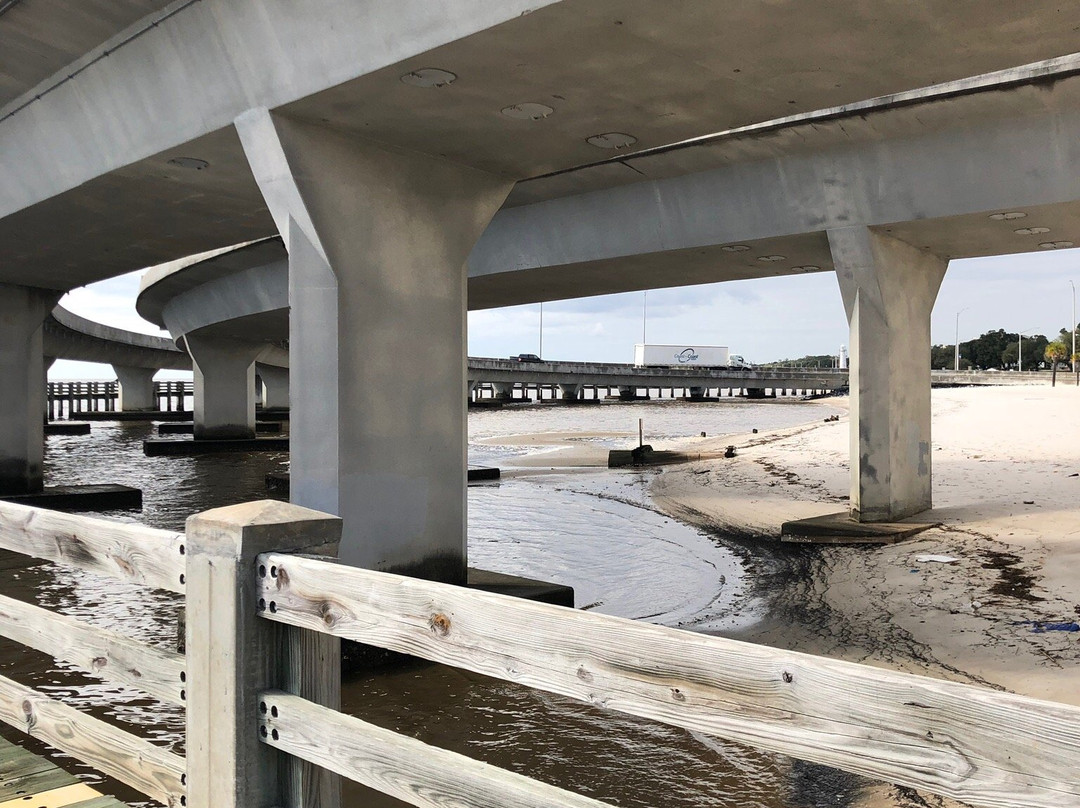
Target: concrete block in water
(840, 528)
(179, 448)
(183, 428)
(105, 497)
(645, 456)
(278, 481)
(67, 428)
(136, 415)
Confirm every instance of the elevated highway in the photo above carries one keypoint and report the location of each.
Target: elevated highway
(612, 374)
(390, 145)
(69, 336)
(135, 358)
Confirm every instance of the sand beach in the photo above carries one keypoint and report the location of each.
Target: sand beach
(1006, 466)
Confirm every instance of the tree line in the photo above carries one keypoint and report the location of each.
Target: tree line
(1002, 350)
(997, 350)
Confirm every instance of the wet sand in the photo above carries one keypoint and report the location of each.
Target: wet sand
(1007, 495)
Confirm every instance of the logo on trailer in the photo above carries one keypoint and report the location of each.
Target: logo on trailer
(687, 355)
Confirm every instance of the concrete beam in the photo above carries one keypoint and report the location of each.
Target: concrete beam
(889, 288)
(570, 392)
(139, 102)
(224, 387)
(136, 388)
(784, 197)
(377, 245)
(275, 382)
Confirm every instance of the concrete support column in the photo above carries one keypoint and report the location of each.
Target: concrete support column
(275, 382)
(698, 392)
(503, 390)
(22, 395)
(889, 288)
(377, 242)
(46, 363)
(136, 388)
(570, 392)
(224, 387)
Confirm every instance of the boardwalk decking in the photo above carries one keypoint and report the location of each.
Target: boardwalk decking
(29, 781)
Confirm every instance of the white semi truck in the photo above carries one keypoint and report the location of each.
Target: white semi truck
(715, 356)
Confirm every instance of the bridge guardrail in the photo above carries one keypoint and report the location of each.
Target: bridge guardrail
(132, 553)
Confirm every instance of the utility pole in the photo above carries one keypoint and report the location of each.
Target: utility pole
(956, 339)
(1073, 326)
(644, 312)
(1020, 350)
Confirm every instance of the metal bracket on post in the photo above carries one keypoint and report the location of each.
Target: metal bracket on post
(233, 655)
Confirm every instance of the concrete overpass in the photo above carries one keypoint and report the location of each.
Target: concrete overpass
(570, 376)
(384, 147)
(135, 358)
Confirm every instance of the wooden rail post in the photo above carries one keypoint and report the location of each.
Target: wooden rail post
(233, 654)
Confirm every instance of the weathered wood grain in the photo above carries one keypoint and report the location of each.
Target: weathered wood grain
(311, 668)
(970, 743)
(131, 760)
(98, 651)
(129, 552)
(402, 767)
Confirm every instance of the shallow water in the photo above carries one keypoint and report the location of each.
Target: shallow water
(592, 531)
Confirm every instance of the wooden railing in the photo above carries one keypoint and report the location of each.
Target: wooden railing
(68, 399)
(260, 681)
(127, 552)
(65, 399)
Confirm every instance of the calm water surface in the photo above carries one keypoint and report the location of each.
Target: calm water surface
(593, 531)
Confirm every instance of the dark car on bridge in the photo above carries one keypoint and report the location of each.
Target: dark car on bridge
(526, 357)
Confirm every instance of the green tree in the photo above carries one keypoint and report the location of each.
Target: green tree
(1034, 348)
(942, 357)
(1055, 352)
(986, 351)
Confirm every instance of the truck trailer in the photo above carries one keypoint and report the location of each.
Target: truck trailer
(681, 355)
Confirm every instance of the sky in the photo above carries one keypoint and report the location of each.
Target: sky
(763, 320)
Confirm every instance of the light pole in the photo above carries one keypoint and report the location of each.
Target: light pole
(644, 311)
(1073, 326)
(1020, 351)
(956, 339)
(541, 354)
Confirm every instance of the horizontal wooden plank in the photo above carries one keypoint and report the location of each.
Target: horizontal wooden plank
(62, 797)
(100, 802)
(30, 781)
(970, 743)
(129, 552)
(17, 763)
(403, 767)
(98, 651)
(47, 780)
(112, 751)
